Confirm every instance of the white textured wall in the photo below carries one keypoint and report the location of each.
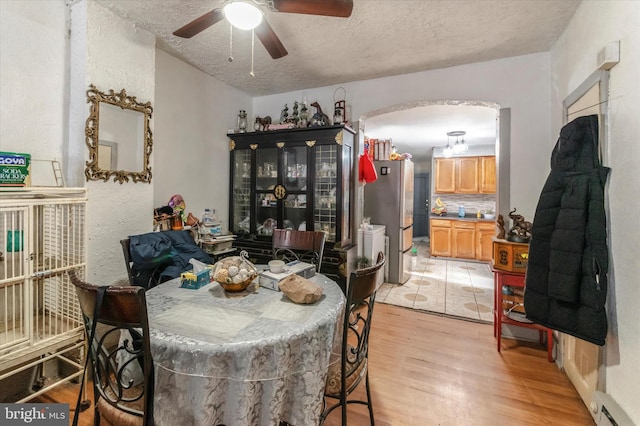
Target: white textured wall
(33, 67)
(520, 83)
(191, 150)
(573, 59)
(110, 53)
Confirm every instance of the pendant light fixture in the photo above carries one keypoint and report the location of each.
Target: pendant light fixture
(447, 152)
(242, 15)
(459, 147)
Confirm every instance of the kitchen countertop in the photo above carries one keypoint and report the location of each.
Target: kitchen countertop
(454, 216)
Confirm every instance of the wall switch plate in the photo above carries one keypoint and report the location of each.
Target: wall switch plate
(609, 55)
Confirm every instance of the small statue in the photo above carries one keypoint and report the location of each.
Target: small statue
(262, 123)
(521, 230)
(294, 115)
(500, 227)
(304, 116)
(319, 118)
(284, 114)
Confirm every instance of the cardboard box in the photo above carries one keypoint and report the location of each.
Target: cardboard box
(304, 269)
(268, 279)
(195, 281)
(14, 169)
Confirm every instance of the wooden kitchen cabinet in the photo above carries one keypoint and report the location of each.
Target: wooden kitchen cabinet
(440, 237)
(445, 175)
(464, 239)
(485, 231)
(487, 177)
(467, 175)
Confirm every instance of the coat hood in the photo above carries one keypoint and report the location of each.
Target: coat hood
(577, 146)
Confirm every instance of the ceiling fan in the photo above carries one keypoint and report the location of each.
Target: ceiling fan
(264, 32)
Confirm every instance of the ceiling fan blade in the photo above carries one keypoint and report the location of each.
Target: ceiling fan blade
(270, 40)
(200, 24)
(338, 8)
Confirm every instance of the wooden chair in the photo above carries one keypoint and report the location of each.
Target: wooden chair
(345, 376)
(306, 246)
(119, 313)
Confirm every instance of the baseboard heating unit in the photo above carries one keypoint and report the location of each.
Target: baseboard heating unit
(607, 412)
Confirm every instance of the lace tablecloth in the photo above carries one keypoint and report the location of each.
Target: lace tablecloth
(253, 358)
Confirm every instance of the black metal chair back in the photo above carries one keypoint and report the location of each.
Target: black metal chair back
(119, 348)
(306, 246)
(345, 376)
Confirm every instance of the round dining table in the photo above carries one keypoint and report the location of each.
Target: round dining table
(249, 358)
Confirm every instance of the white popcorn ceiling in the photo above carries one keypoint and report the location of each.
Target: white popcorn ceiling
(381, 38)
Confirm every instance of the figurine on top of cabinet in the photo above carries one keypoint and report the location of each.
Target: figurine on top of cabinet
(284, 114)
(319, 118)
(262, 123)
(520, 232)
(304, 116)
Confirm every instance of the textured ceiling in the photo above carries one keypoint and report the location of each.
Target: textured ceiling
(381, 38)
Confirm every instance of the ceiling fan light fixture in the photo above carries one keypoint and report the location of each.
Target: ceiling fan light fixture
(242, 15)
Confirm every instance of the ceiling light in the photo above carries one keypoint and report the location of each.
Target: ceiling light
(244, 16)
(447, 152)
(459, 147)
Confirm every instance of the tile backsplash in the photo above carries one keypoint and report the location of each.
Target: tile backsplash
(471, 202)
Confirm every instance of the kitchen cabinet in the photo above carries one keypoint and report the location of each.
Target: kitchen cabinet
(293, 179)
(485, 231)
(465, 175)
(440, 237)
(445, 175)
(487, 179)
(462, 238)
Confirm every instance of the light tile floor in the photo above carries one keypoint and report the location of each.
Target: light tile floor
(450, 287)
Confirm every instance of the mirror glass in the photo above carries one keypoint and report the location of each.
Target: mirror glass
(118, 136)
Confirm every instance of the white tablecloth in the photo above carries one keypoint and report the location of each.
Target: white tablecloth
(253, 358)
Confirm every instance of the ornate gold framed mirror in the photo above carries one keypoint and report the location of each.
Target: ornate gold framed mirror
(118, 136)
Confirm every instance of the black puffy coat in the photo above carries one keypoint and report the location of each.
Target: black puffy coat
(566, 279)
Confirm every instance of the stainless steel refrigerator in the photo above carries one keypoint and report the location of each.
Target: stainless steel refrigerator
(389, 201)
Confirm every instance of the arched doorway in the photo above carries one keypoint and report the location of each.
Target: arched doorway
(420, 128)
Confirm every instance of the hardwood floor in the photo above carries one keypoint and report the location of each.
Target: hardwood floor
(429, 370)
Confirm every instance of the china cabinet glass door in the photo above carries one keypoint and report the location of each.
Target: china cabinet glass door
(325, 187)
(295, 184)
(266, 181)
(242, 191)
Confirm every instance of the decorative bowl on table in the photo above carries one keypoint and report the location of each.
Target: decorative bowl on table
(234, 273)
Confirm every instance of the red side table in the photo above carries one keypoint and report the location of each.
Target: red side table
(514, 280)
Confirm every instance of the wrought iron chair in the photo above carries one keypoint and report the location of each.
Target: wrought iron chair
(306, 246)
(345, 376)
(117, 331)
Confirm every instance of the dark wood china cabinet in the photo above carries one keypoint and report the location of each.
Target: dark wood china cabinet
(294, 179)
